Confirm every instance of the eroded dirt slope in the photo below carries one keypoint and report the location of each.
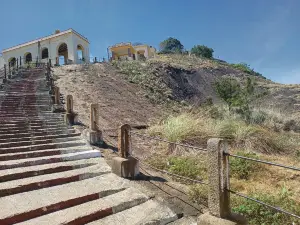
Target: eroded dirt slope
(119, 100)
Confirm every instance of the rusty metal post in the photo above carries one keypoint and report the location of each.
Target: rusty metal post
(124, 141)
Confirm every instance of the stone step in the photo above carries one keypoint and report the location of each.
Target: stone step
(31, 171)
(37, 142)
(21, 135)
(42, 153)
(93, 210)
(150, 212)
(32, 119)
(28, 138)
(29, 205)
(49, 159)
(37, 147)
(32, 127)
(29, 122)
(54, 179)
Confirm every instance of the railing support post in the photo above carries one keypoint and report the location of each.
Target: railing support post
(56, 96)
(70, 115)
(218, 186)
(5, 75)
(9, 70)
(125, 165)
(94, 117)
(93, 135)
(124, 141)
(57, 107)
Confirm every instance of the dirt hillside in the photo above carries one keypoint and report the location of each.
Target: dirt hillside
(137, 92)
(119, 101)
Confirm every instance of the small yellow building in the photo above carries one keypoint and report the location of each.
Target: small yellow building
(127, 51)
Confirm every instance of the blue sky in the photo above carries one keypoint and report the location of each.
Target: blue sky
(262, 33)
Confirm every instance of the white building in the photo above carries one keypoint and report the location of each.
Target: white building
(64, 47)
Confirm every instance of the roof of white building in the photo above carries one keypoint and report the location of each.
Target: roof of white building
(46, 38)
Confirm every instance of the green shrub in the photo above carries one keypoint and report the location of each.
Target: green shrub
(171, 45)
(187, 167)
(243, 67)
(258, 214)
(246, 69)
(202, 51)
(241, 168)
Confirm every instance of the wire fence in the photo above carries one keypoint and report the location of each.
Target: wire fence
(169, 142)
(142, 162)
(276, 208)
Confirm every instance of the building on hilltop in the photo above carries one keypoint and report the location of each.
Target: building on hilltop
(66, 47)
(128, 51)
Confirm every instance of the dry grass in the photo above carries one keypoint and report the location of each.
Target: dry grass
(186, 61)
(189, 127)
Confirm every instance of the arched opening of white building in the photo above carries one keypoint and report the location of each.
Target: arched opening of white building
(62, 53)
(12, 61)
(45, 53)
(28, 57)
(80, 54)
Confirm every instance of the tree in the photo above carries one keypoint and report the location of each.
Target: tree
(229, 90)
(171, 45)
(239, 96)
(202, 51)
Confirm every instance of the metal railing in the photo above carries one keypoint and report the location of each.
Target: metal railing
(226, 154)
(276, 208)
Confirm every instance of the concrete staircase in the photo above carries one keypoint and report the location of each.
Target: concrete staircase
(48, 175)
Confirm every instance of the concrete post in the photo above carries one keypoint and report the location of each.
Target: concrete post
(125, 165)
(69, 103)
(4, 79)
(70, 115)
(56, 96)
(218, 199)
(218, 183)
(93, 135)
(94, 126)
(124, 141)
